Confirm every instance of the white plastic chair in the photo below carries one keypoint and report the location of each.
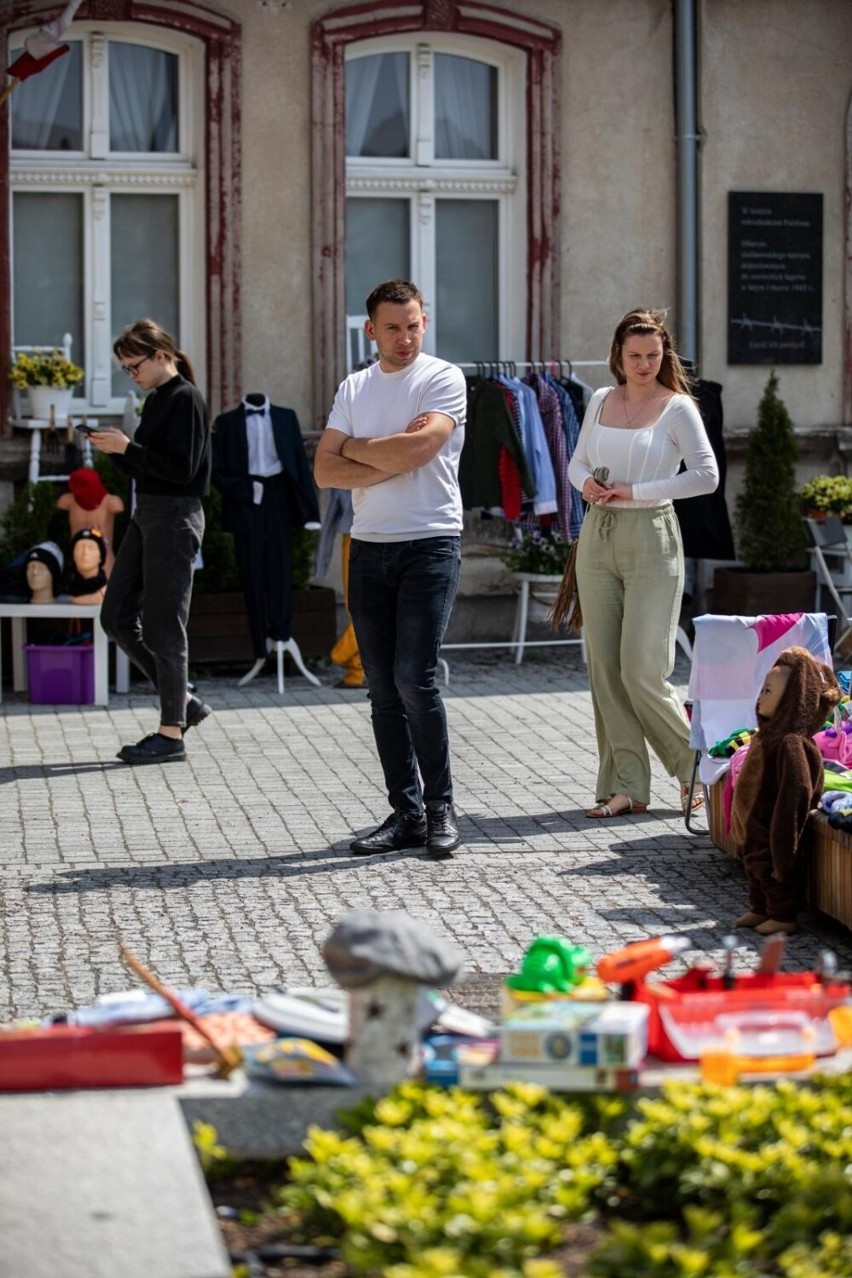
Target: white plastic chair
(828, 537)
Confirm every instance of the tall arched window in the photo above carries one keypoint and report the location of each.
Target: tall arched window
(435, 182)
(452, 167)
(107, 198)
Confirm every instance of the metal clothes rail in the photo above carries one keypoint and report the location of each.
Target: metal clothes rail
(537, 365)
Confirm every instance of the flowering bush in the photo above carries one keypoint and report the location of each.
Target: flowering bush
(538, 552)
(44, 368)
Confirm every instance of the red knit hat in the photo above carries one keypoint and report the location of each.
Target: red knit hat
(87, 487)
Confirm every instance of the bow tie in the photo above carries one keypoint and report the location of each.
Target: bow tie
(251, 411)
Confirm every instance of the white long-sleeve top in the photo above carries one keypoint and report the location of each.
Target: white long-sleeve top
(648, 457)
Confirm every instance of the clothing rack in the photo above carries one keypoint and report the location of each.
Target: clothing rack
(537, 365)
(510, 367)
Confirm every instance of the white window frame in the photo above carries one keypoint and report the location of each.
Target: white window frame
(96, 173)
(423, 180)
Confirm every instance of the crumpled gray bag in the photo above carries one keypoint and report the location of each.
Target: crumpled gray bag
(366, 944)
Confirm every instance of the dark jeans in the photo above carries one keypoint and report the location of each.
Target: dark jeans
(401, 594)
(146, 605)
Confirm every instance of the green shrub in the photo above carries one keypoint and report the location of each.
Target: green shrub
(698, 1182)
(770, 534)
(32, 518)
(483, 1189)
(738, 1176)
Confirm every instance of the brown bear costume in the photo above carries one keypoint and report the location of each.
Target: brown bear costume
(780, 783)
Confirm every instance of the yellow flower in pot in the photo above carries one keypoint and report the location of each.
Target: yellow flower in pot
(828, 495)
(49, 380)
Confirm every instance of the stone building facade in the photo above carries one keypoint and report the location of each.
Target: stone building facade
(245, 167)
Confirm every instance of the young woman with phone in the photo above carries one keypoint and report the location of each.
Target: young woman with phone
(630, 557)
(146, 605)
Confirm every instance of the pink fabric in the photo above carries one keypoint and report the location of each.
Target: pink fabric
(738, 758)
(834, 744)
(772, 627)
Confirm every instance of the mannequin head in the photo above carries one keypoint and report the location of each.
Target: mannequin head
(797, 695)
(87, 487)
(88, 550)
(774, 686)
(40, 581)
(44, 570)
(88, 579)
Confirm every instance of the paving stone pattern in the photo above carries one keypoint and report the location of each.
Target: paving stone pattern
(230, 870)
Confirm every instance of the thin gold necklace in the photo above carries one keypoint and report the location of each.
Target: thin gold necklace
(645, 404)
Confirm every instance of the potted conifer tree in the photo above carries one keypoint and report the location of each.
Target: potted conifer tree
(771, 542)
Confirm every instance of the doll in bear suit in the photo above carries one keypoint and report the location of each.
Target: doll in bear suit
(779, 784)
(261, 469)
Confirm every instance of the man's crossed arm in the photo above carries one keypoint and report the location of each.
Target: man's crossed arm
(344, 462)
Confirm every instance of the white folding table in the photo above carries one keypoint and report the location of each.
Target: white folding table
(63, 608)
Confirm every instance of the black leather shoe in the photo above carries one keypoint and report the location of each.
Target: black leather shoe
(155, 748)
(442, 832)
(400, 830)
(196, 711)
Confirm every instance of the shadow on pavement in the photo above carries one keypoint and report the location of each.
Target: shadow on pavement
(173, 877)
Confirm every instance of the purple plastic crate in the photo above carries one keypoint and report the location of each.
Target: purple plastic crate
(59, 675)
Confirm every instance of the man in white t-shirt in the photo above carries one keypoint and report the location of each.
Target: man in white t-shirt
(394, 436)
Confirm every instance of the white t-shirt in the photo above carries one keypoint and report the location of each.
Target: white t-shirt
(371, 403)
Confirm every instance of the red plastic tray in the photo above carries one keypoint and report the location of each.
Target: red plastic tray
(57, 1057)
(698, 997)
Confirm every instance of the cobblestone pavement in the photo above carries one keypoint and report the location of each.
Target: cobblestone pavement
(230, 870)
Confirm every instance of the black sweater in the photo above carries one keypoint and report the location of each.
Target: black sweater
(170, 455)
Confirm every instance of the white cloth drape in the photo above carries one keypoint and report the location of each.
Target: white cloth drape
(35, 104)
(731, 656)
(377, 104)
(142, 98)
(463, 109)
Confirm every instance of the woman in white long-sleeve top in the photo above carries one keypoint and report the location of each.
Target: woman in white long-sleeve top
(630, 557)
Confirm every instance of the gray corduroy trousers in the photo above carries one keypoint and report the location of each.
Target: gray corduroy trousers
(146, 606)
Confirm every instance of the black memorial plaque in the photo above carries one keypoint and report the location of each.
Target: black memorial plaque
(774, 278)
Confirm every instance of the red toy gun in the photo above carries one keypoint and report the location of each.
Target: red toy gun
(635, 961)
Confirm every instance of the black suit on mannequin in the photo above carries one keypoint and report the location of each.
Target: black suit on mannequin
(262, 530)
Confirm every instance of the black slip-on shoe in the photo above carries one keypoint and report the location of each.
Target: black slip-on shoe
(400, 830)
(442, 832)
(155, 748)
(196, 711)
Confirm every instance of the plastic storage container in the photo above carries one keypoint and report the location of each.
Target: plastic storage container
(59, 675)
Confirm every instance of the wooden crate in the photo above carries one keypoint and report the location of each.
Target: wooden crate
(830, 879)
(830, 852)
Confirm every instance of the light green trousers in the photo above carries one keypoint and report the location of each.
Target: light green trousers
(630, 582)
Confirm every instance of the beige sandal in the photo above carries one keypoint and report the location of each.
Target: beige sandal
(605, 810)
(697, 798)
